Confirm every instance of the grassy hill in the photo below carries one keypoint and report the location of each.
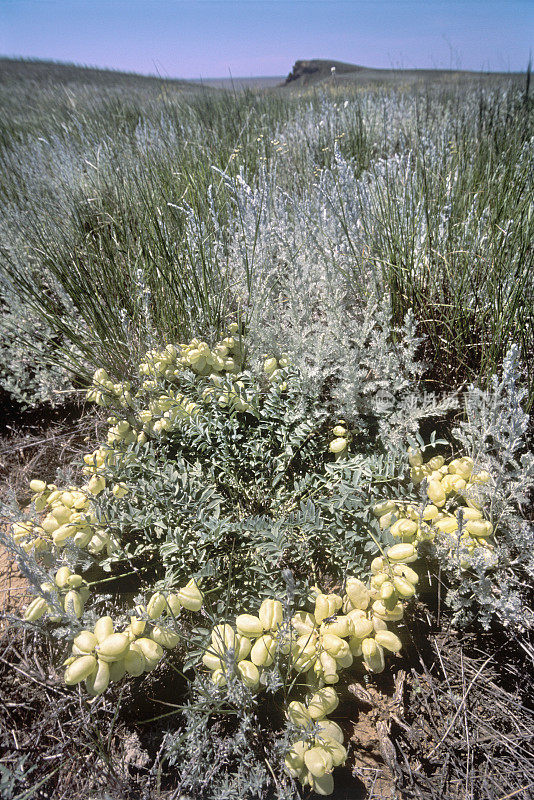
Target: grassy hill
(311, 72)
(314, 71)
(54, 73)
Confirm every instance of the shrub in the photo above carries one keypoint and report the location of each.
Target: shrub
(236, 522)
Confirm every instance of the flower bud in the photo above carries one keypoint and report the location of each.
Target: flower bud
(80, 669)
(249, 674)
(436, 493)
(389, 640)
(263, 651)
(36, 609)
(98, 681)
(249, 625)
(318, 761)
(358, 593)
(271, 614)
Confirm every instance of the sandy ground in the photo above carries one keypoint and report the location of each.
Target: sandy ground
(14, 593)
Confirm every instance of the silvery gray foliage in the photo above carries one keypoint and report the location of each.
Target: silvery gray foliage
(304, 299)
(25, 373)
(213, 762)
(494, 434)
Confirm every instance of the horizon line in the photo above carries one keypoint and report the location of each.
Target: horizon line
(159, 76)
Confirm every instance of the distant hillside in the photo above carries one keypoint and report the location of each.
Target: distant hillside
(312, 71)
(317, 69)
(54, 73)
(304, 73)
(230, 84)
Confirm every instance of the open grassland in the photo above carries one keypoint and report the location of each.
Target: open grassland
(135, 210)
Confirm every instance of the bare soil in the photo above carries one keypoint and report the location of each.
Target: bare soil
(14, 593)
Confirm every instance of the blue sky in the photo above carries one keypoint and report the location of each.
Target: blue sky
(215, 38)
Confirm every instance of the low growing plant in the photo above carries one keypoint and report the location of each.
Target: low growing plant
(235, 519)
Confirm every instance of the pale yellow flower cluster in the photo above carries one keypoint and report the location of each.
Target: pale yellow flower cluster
(453, 511)
(104, 655)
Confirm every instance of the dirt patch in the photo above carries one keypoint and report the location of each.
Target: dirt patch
(14, 590)
(37, 445)
(43, 442)
(375, 760)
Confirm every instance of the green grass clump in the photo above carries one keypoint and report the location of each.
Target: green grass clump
(142, 211)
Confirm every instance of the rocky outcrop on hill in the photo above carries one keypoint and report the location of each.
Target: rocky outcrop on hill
(316, 69)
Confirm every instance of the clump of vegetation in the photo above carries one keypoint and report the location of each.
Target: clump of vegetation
(418, 195)
(230, 494)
